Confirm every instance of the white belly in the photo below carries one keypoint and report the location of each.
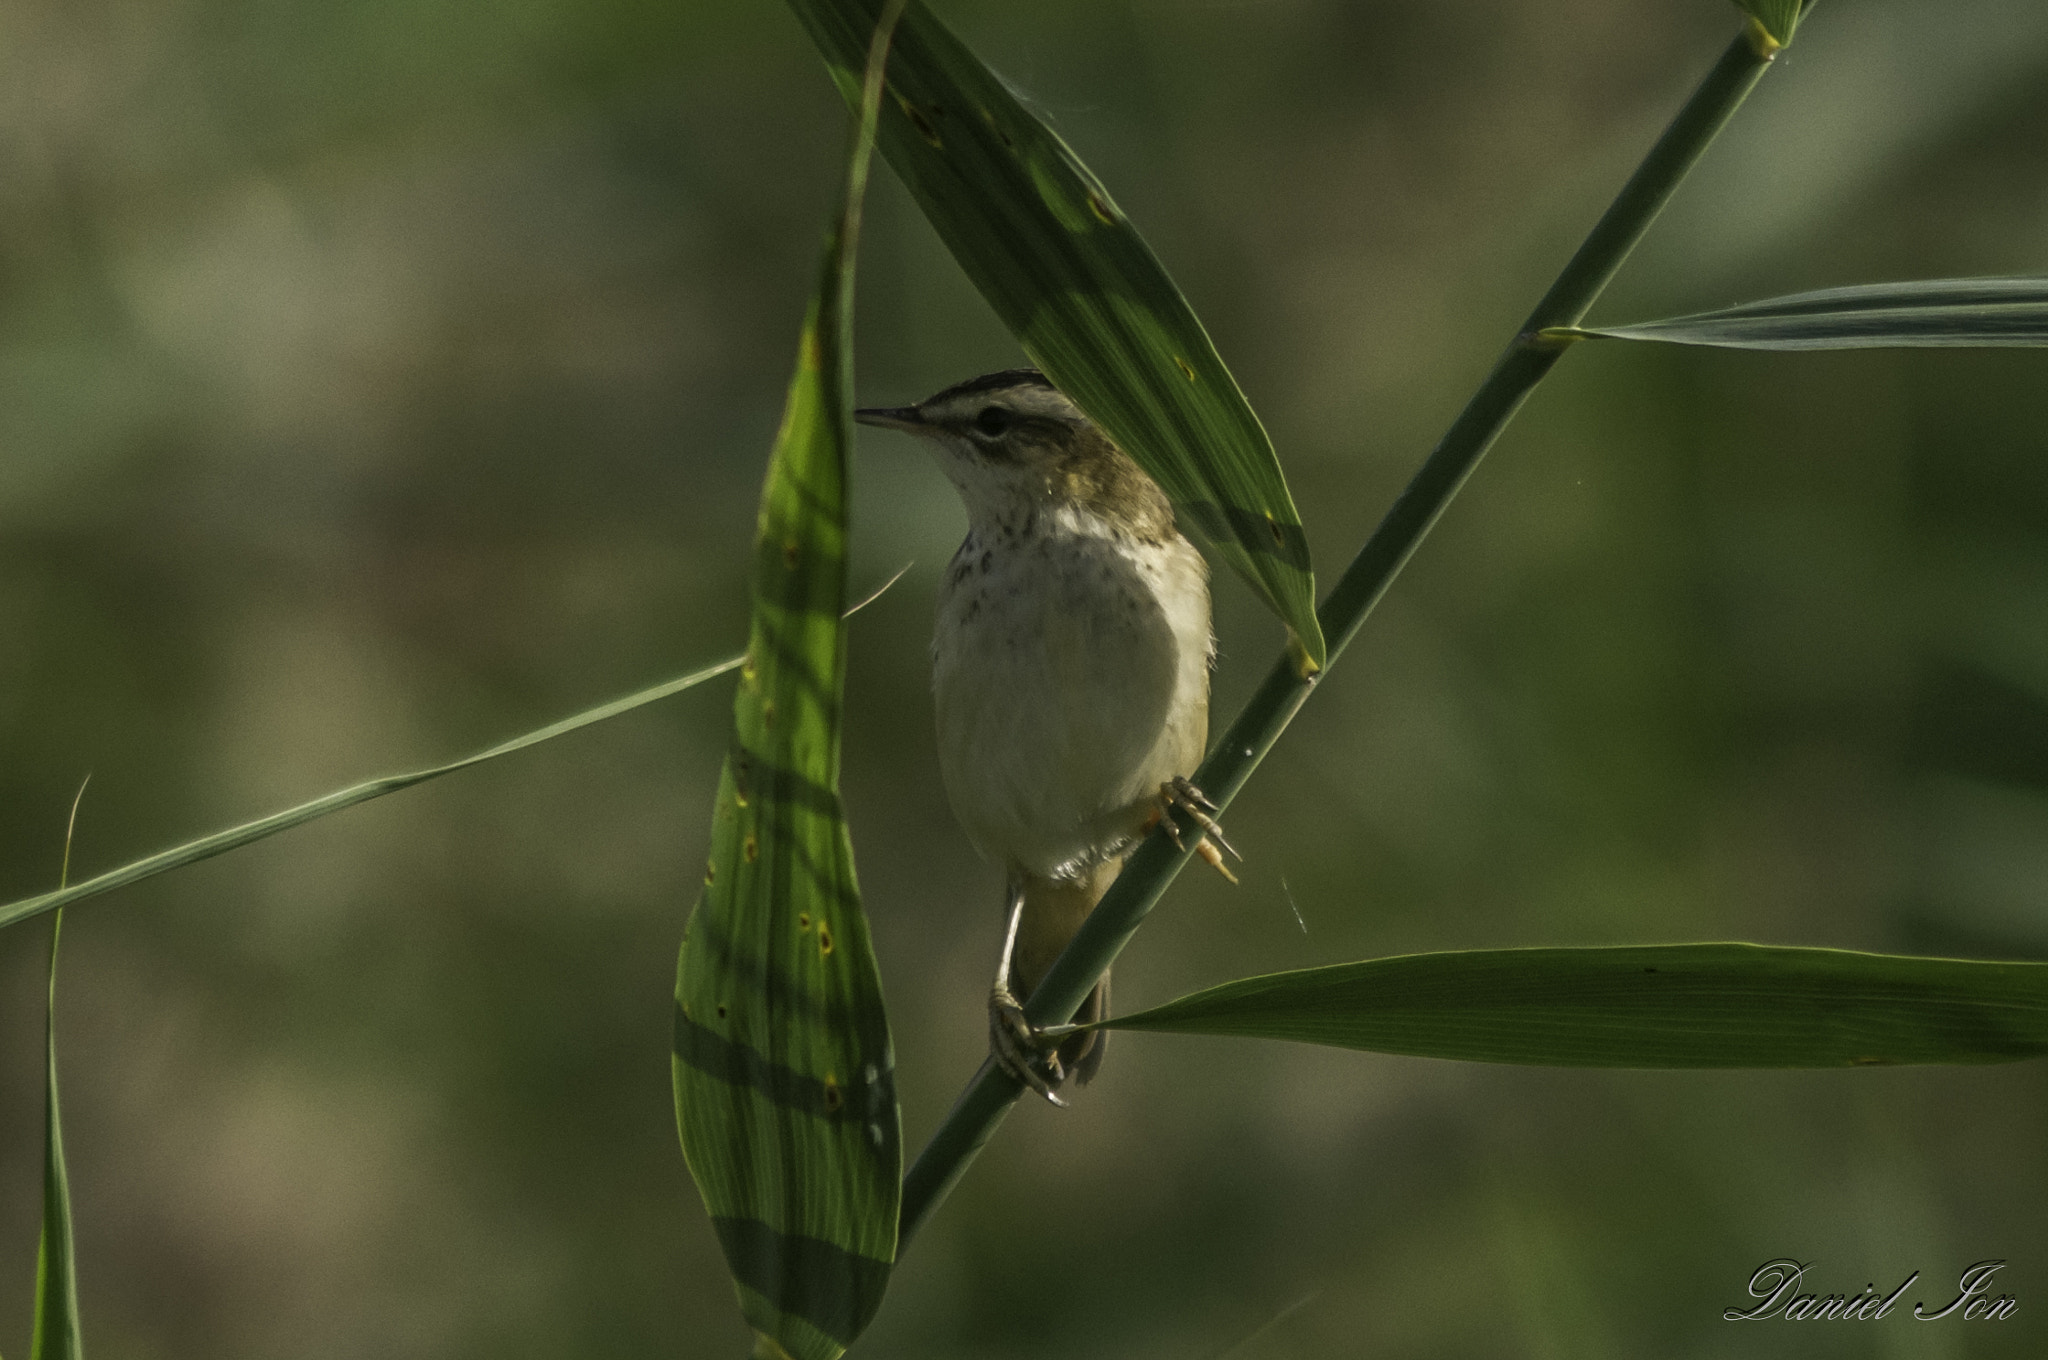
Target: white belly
(1071, 681)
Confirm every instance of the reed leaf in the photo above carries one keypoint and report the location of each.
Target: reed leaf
(1945, 313)
(57, 1334)
(1683, 1005)
(220, 842)
(783, 1068)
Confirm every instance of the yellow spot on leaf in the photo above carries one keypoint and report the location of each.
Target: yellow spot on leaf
(919, 121)
(710, 872)
(803, 922)
(1186, 370)
(1103, 211)
(833, 1100)
(751, 848)
(824, 938)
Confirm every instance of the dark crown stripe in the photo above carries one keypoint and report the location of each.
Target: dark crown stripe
(990, 382)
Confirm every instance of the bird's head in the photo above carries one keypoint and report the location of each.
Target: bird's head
(1012, 443)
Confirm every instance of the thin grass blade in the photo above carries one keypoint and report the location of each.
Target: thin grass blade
(784, 1071)
(57, 1334)
(220, 842)
(1074, 281)
(1688, 1005)
(1954, 313)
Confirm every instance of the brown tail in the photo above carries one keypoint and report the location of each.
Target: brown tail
(1053, 910)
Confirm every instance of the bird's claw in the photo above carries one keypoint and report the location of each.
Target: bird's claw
(1019, 1049)
(1179, 794)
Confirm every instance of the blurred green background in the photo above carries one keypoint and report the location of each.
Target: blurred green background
(379, 380)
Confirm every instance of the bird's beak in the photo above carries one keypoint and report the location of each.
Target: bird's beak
(892, 418)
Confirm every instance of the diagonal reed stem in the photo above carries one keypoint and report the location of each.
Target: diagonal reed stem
(1524, 363)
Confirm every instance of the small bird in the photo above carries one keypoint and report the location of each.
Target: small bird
(1070, 671)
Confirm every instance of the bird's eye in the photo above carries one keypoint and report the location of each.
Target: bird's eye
(992, 421)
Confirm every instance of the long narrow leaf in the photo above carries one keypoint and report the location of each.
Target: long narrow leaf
(1928, 313)
(220, 842)
(1081, 290)
(56, 1335)
(1688, 1005)
(784, 1072)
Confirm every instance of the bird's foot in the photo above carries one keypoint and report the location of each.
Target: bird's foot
(1179, 795)
(1020, 1049)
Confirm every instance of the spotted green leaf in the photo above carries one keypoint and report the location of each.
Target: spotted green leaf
(1686, 1005)
(1928, 313)
(1074, 281)
(784, 1081)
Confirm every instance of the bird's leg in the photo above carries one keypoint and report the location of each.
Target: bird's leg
(1179, 795)
(1018, 1048)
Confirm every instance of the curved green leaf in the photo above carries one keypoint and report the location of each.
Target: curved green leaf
(1931, 312)
(220, 842)
(783, 1069)
(1081, 290)
(1686, 1005)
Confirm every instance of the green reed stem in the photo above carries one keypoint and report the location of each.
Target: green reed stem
(1523, 364)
